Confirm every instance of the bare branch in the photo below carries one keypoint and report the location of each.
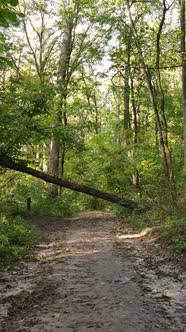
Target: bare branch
(30, 46)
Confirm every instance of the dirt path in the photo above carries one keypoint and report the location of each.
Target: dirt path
(86, 277)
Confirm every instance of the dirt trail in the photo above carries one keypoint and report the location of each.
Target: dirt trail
(86, 277)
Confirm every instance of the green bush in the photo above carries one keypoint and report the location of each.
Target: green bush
(174, 232)
(172, 227)
(66, 205)
(16, 239)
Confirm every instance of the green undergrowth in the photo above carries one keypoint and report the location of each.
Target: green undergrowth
(170, 224)
(174, 232)
(17, 238)
(68, 204)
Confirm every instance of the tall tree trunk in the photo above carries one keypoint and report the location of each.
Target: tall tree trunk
(64, 80)
(54, 166)
(136, 125)
(161, 108)
(44, 161)
(127, 99)
(183, 52)
(158, 109)
(57, 149)
(118, 109)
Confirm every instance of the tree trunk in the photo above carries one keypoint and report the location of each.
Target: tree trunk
(136, 126)
(154, 97)
(96, 113)
(54, 165)
(183, 52)
(57, 150)
(17, 166)
(127, 99)
(118, 109)
(44, 161)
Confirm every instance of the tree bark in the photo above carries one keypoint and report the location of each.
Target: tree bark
(54, 165)
(183, 52)
(136, 126)
(127, 98)
(118, 108)
(7, 162)
(57, 150)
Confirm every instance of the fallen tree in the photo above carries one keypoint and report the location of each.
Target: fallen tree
(7, 162)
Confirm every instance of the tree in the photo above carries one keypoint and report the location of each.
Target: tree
(183, 53)
(17, 166)
(41, 37)
(9, 16)
(157, 95)
(64, 75)
(101, 89)
(73, 46)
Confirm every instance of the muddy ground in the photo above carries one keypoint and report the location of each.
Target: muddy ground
(90, 273)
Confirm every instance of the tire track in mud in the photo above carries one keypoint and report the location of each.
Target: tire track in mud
(84, 278)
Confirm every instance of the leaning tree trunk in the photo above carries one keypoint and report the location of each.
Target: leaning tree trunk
(7, 162)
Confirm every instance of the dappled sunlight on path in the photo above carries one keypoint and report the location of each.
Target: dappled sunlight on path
(87, 276)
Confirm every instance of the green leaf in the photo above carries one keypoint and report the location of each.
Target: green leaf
(3, 21)
(4, 60)
(13, 2)
(2, 48)
(11, 17)
(20, 15)
(7, 18)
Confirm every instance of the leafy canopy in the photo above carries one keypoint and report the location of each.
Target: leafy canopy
(8, 14)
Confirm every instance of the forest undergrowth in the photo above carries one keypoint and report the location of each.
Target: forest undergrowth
(18, 237)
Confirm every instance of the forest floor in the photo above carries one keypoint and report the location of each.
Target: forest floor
(92, 273)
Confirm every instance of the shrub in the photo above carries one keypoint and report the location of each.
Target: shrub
(174, 232)
(16, 239)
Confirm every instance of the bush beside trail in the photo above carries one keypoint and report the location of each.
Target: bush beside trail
(16, 239)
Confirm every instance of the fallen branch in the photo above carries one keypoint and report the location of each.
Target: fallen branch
(20, 167)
